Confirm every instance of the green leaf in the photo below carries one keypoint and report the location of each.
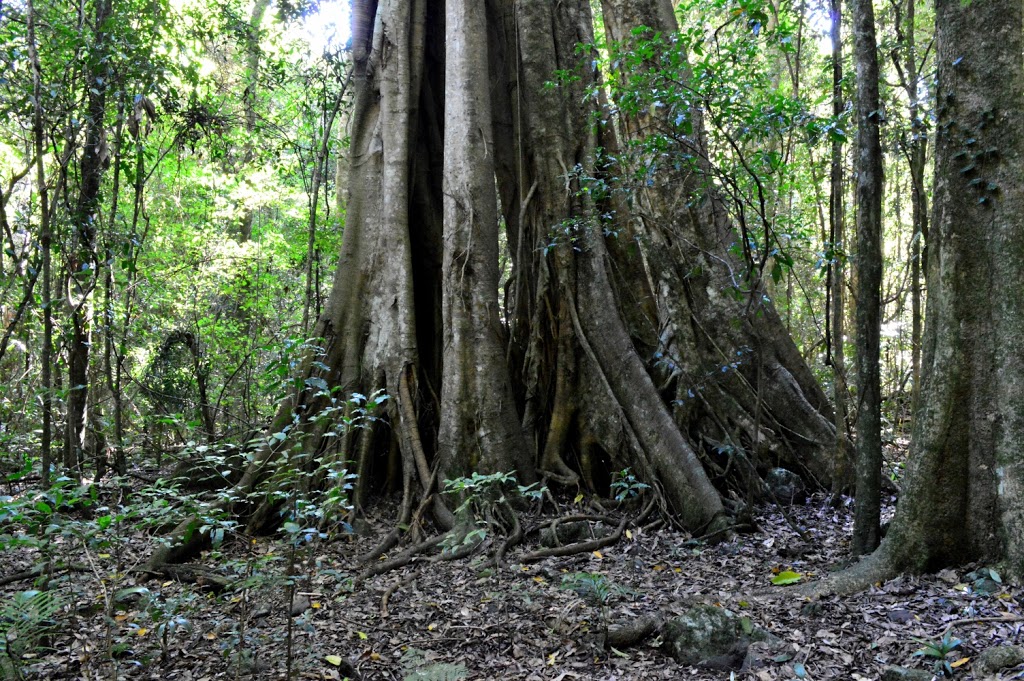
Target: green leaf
(123, 594)
(317, 382)
(333, 659)
(786, 577)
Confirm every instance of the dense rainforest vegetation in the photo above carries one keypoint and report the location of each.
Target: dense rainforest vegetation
(485, 285)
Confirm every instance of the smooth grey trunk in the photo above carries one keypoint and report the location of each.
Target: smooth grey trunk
(479, 429)
(917, 148)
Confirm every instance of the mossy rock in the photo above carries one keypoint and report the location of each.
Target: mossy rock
(787, 486)
(999, 657)
(711, 636)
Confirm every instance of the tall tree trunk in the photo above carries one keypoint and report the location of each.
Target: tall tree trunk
(843, 472)
(963, 496)
(867, 514)
(45, 241)
(83, 260)
(479, 429)
(321, 156)
(253, 52)
(685, 237)
(917, 148)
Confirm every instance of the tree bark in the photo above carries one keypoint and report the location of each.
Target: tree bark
(916, 151)
(764, 400)
(867, 513)
(45, 241)
(479, 429)
(843, 474)
(964, 488)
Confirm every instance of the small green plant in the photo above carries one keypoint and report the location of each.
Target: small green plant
(984, 581)
(418, 667)
(593, 587)
(25, 621)
(939, 651)
(596, 591)
(486, 504)
(169, 616)
(626, 486)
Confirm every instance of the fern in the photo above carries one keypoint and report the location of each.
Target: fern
(25, 620)
(419, 668)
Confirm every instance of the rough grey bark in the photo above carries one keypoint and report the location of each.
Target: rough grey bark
(867, 513)
(963, 493)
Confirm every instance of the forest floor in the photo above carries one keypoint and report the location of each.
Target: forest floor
(452, 620)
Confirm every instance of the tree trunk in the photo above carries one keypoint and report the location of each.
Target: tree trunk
(252, 51)
(963, 496)
(843, 472)
(83, 260)
(916, 155)
(45, 241)
(867, 514)
(736, 375)
(569, 381)
(479, 430)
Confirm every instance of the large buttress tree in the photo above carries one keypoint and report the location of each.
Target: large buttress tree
(619, 338)
(962, 497)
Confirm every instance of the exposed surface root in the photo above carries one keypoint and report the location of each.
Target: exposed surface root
(871, 569)
(630, 633)
(410, 555)
(578, 547)
(513, 534)
(386, 598)
(38, 571)
(196, 574)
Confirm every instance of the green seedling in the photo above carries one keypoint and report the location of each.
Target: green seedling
(939, 651)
